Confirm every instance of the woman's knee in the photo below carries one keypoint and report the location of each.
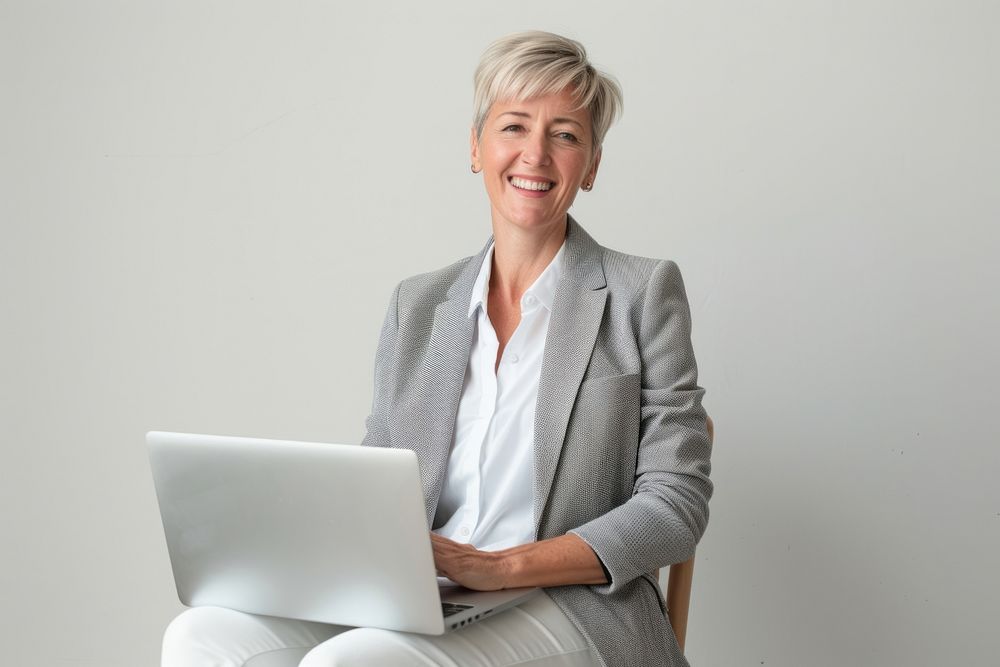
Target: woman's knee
(193, 624)
(217, 636)
(361, 646)
(194, 635)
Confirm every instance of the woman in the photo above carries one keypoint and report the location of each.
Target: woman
(549, 389)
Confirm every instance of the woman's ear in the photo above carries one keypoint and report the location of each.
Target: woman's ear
(474, 150)
(592, 172)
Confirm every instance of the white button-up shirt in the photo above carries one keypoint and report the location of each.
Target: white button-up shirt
(488, 497)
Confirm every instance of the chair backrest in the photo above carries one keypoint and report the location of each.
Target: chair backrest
(679, 584)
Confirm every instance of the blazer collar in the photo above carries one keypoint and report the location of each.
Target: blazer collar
(582, 260)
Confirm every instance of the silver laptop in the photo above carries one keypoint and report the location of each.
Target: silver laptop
(313, 531)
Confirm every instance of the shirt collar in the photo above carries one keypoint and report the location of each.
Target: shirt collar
(543, 289)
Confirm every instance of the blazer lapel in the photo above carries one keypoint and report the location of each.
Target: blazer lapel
(440, 381)
(577, 310)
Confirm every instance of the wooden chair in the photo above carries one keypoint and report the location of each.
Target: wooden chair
(679, 585)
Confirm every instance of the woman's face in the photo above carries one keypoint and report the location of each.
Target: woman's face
(535, 155)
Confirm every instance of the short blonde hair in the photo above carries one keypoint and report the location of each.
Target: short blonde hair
(529, 64)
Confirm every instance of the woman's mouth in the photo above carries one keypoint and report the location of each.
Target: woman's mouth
(529, 184)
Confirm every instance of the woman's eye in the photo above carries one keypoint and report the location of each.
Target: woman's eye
(568, 136)
(511, 128)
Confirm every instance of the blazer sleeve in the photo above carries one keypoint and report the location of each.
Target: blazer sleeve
(668, 511)
(376, 425)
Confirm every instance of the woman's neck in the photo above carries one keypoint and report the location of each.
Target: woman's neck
(520, 256)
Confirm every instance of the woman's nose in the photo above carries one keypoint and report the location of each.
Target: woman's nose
(536, 149)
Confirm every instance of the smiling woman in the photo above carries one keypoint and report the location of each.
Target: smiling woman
(535, 154)
(551, 399)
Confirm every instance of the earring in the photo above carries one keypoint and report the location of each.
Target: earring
(588, 186)
(473, 168)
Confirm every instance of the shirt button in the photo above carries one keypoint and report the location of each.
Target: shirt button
(529, 299)
(514, 358)
(464, 532)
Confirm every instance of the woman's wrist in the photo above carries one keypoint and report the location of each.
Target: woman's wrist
(558, 561)
(508, 566)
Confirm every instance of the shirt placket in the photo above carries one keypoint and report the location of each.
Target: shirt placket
(504, 380)
(488, 408)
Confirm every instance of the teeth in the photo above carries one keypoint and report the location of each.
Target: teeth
(529, 185)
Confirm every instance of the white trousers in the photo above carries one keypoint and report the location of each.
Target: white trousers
(535, 633)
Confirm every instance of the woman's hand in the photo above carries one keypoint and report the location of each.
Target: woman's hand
(466, 565)
(558, 561)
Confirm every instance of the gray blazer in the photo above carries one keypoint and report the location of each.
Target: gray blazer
(621, 447)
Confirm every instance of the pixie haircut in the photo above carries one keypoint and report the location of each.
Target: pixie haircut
(534, 63)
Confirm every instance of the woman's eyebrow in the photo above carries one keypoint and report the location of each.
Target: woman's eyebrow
(519, 114)
(523, 114)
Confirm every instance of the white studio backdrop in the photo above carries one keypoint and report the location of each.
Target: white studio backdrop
(205, 207)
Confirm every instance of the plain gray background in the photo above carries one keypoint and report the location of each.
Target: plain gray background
(205, 208)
